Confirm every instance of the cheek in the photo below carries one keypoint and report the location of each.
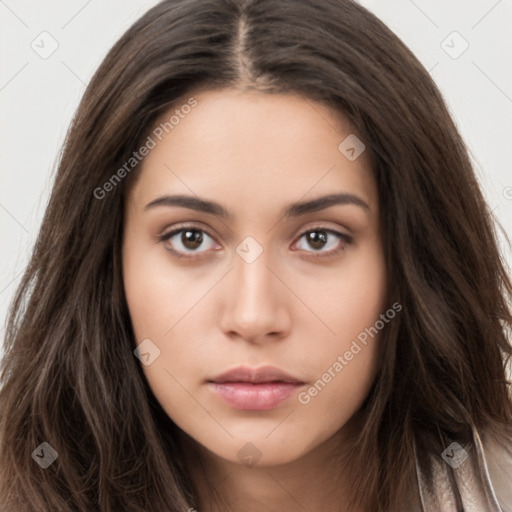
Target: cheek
(343, 356)
(353, 300)
(158, 293)
(177, 397)
(162, 302)
(344, 370)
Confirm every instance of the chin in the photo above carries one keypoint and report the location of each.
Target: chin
(261, 451)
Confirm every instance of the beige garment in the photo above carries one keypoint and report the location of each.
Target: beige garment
(479, 481)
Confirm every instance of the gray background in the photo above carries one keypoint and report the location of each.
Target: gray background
(39, 95)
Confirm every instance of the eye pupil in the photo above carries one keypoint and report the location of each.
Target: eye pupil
(317, 239)
(192, 238)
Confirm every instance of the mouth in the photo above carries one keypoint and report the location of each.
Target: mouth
(263, 388)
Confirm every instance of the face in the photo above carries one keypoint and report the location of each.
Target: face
(281, 296)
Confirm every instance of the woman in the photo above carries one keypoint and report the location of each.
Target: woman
(266, 279)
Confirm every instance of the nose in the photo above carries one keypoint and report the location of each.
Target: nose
(255, 307)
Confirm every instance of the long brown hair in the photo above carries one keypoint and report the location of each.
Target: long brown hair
(69, 376)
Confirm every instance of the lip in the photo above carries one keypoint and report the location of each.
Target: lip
(261, 388)
(255, 375)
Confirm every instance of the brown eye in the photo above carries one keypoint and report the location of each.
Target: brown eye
(187, 241)
(316, 239)
(191, 239)
(320, 238)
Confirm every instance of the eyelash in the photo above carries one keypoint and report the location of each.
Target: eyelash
(319, 254)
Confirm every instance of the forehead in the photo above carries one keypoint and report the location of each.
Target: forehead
(252, 149)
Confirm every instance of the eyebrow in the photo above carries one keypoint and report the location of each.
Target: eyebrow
(292, 210)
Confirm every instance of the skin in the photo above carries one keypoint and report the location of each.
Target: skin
(255, 154)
